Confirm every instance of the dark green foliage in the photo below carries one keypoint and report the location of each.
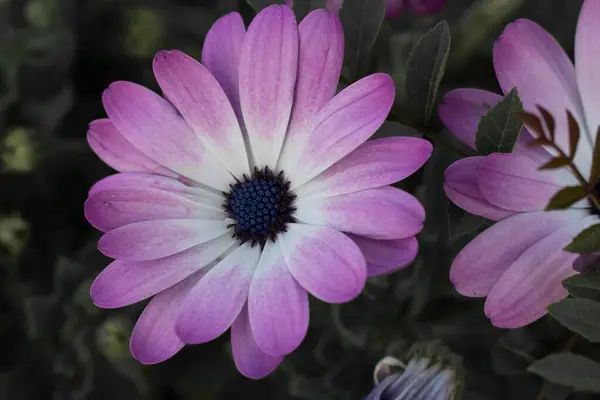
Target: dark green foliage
(499, 129)
(587, 241)
(258, 5)
(585, 285)
(571, 370)
(426, 67)
(362, 21)
(580, 316)
(392, 129)
(566, 197)
(303, 7)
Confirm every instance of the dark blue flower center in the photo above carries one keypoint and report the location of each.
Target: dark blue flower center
(260, 205)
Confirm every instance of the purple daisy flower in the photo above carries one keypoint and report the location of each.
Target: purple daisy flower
(519, 263)
(247, 187)
(420, 380)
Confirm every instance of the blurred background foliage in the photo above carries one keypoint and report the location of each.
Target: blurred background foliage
(56, 57)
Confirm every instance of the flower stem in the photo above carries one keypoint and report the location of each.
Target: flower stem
(578, 175)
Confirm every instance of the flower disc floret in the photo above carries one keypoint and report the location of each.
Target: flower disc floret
(260, 205)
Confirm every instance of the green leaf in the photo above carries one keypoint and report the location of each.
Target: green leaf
(533, 123)
(569, 369)
(361, 20)
(258, 5)
(574, 134)
(566, 197)
(556, 162)
(584, 285)
(596, 159)
(499, 129)
(539, 142)
(580, 316)
(549, 120)
(425, 70)
(511, 354)
(588, 241)
(393, 129)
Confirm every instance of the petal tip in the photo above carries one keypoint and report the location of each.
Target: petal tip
(141, 354)
(188, 335)
(182, 333)
(165, 56)
(494, 314)
(99, 299)
(88, 212)
(277, 8)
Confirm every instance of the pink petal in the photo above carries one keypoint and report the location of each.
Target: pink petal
(587, 62)
(154, 127)
(221, 55)
(268, 65)
(461, 187)
(108, 210)
(112, 148)
(529, 58)
(215, 302)
(373, 164)
(380, 213)
(307, 249)
(342, 125)
(534, 280)
(387, 256)
(277, 304)
(249, 359)
(481, 263)
(150, 240)
(513, 182)
(320, 59)
(125, 282)
(423, 7)
(199, 98)
(137, 180)
(153, 339)
(462, 109)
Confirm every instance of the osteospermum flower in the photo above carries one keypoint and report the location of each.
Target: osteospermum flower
(420, 379)
(247, 187)
(519, 262)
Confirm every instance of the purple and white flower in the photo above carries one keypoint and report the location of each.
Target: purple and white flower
(519, 263)
(422, 378)
(248, 186)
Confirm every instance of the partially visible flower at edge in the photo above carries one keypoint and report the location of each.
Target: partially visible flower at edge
(247, 187)
(395, 8)
(519, 263)
(423, 377)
